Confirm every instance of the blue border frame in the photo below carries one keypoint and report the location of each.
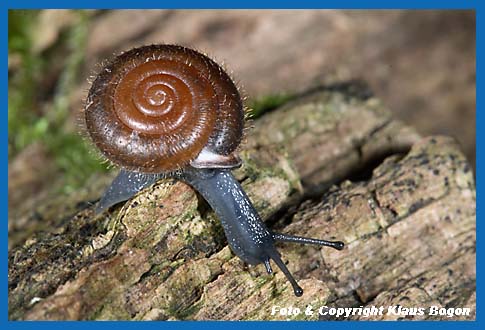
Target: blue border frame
(282, 4)
(208, 4)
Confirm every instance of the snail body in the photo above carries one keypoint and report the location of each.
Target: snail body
(169, 111)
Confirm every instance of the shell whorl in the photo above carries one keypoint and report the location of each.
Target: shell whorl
(154, 109)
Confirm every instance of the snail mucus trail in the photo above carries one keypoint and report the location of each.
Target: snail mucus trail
(166, 111)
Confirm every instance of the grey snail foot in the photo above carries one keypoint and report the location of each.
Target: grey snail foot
(126, 185)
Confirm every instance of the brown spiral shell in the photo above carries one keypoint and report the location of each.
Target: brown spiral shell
(154, 109)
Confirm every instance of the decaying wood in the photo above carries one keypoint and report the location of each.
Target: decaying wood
(331, 164)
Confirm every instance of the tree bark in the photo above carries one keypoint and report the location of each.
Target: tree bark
(330, 164)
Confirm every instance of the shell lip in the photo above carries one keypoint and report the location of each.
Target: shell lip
(210, 159)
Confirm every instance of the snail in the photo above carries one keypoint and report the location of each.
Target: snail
(167, 111)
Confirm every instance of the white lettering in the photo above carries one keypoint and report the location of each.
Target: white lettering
(449, 312)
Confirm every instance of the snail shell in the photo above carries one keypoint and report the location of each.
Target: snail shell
(160, 108)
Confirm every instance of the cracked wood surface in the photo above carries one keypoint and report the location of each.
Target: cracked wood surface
(331, 164)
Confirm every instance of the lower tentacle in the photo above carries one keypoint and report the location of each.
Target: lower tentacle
(277, 259)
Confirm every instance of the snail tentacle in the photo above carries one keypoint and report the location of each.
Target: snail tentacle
(337, 245)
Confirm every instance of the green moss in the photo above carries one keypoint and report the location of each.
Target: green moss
(19, 29)
(267, 103)
(75, 159)
(185, 313)
(22, 122)
(26, 122)
(262, 280)
(277, 291)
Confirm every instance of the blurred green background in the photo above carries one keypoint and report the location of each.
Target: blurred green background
(35, 78)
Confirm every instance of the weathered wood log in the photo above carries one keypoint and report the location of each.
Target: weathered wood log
(331, 164)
